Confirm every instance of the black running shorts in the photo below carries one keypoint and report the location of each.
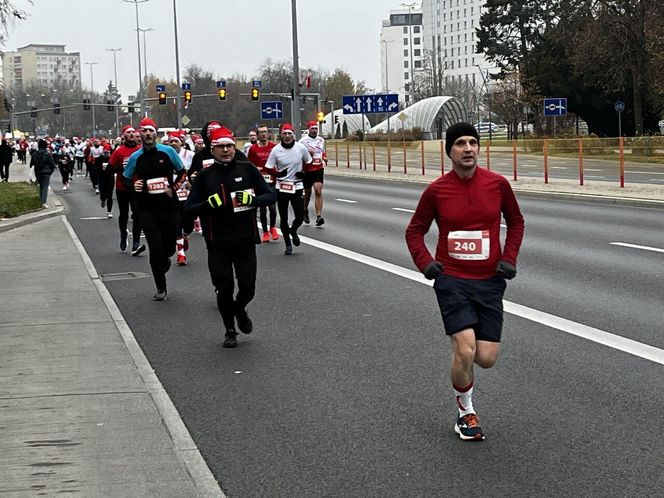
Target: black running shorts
(474, 304)
(311, 177)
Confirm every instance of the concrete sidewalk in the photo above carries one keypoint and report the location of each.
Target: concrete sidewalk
(82, 413)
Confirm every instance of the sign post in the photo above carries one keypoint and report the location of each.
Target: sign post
(555, 107)
(272, 110)
(619, 106)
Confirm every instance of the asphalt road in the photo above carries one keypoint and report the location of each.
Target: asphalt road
(528, 166)
(342, 389)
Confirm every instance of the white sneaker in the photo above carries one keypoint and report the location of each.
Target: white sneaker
(45, 206)
(96, 191)
(109, 215)
(65, 187)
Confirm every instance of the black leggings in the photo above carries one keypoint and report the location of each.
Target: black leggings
(4, 172)
(127, 199)
(295, 200)
(106, 186)
(64, 173)
(222, 259)
(160, 228)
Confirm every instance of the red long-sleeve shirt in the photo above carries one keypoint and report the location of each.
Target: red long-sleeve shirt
(468, 214)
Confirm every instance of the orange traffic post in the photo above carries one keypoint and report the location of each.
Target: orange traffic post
(359, 148)
(488, 155)
(546, 160)
(347, 154)
(336, 154)
(405, 161)
(422, 153)
(514, 157)
(622, 162)
(442, 157)
(373, 153)
(580, 161)
(389, 157)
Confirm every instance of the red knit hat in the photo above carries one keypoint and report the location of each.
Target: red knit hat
(313, 124)
(127, 128)
(148, 123)
(176, 135)
(287, 127)
(222, 136)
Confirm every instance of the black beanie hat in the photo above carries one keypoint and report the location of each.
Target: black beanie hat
(459, 130)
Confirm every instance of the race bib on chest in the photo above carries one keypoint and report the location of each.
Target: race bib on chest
(286, 187)
(468, 245)
(157, 185)
(207, 163)
(183, 194)
(237, 207)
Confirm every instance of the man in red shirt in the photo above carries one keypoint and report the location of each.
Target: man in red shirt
(257, 155)
(126, 197)
(470, 268)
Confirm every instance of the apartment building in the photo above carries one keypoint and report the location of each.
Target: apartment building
(47, 65)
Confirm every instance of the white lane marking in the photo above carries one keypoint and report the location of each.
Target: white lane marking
(634, 246)
(95, 218)
(592, 334)
(404, 210)
(590, 169)
(594, 176)
(655, 180)
(346, 200)
(559, 167)
(644, 172)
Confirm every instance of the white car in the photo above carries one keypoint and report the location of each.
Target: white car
(484, 127)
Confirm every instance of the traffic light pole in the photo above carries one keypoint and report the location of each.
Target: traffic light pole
(177, 65)
(296, 104)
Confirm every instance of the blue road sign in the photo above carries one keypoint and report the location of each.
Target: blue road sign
(366, 104)
(186, 86)
(555, 107)
(272, 110)
(161, 88)
(256, 83)
(221, 84)
(619, 106)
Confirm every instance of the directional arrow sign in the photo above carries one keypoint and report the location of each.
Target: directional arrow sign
(272, 110)
(555, 107)
(361, 104)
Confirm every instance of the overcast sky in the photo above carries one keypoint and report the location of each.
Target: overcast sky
(224, 36)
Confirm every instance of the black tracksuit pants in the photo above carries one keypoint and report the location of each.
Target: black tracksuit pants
(127, 199)
(223, 258)
(295, 200)
(161, 230)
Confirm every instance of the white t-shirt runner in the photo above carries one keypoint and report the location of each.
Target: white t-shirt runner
(316, 147)
(290, 160)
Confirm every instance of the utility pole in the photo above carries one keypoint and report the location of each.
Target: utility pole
(410, 50)
(92, 99)
(177, 66)
(115, 69)
(295, 104)
(141, 94)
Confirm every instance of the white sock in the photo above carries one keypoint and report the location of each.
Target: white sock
(180, 247)
(464, 399)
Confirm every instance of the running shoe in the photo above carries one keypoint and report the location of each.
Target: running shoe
(109, 215)
(63, 188)
(319, 221)
(289, 250)
(161, 295)
(274, 233)
(230, 340)
(306, 218)
(181, 260)
(123, 241)
(197, 226)
(244, 322)
(468, 428)
(137, 249)
(265, 237)
(296, 238)
(96, 190)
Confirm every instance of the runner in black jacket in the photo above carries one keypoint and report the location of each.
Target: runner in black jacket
(225, 196)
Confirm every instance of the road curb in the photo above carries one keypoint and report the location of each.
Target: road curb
(519, 190)
(187, 452)
(34, 216)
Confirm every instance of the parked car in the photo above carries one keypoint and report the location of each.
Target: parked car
(484, 127)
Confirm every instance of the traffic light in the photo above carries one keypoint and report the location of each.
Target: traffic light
(222, 94)
(320, 117)
(162, 98)
(56, 108)
(187, 96)
(255, 94)
(33, 112)
(130, 107)
(86, 104)
(109, 105)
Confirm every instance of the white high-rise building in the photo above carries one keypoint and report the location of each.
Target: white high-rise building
(449, 29)
(401, 51)
(47, 65)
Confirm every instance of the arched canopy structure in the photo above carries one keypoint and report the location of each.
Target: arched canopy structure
(432, 116)
(347, 124)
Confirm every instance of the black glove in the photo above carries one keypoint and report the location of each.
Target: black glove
(433, 269)
(299, 175)
(282, 173)
(506, 270)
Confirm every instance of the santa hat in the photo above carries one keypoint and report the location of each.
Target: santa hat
(287, 127)
(176, 135)
(128, 128)
(313, 124)
(107, 147)
(197, 138)
(212, 125)
(148, 123)
(222, 136)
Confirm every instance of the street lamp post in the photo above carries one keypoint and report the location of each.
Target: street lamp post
(138, 44)
(92, 93)
(115, 70)
(488, 93)
(387, 90)
(410, 50)
(295, 104)
(145, 55)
